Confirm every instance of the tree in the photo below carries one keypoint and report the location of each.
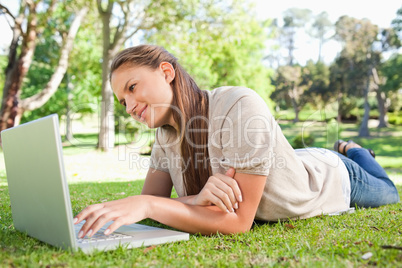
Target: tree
(293, 19)
(359, 58)
(219, 50)
(320, 28)
(338, 83)
(79, 91)
(397, 23)
(391, 82)
(31, 21)
(84, 77)
(131, 17)
(273, 57)
(316, 77)
(288, 84)
(383, 78)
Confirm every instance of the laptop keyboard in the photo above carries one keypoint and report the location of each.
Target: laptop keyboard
(100, 236)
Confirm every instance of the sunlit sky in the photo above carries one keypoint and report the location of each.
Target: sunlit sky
(378, 12)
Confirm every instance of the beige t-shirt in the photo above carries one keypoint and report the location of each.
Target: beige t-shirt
(243, 134)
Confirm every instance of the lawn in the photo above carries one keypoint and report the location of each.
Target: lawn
(387, 142)
(368, 237)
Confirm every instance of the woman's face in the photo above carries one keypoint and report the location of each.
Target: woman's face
(146, 93)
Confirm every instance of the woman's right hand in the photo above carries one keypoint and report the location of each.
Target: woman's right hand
(221, 191)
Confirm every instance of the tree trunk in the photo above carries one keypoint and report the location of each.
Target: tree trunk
(364, 130)
(321, 41)
(69, 133)
(12, 107)
(106, 133)
(38, 100)
(11, 97)
(106, 137)
(381, 99)
(291, 48)
(339, 116)
(292, 95)
(111, 45)
(17, 67)
(382, 107)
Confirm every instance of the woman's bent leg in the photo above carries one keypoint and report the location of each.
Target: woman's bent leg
(363, 157)
(370, 185)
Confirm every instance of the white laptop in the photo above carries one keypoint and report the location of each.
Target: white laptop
(40, 199)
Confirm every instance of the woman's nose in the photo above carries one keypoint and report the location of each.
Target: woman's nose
(130, 105)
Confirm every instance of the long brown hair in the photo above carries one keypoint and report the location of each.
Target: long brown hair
(190, 100)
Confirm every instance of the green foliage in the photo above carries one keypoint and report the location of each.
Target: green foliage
(357, 36)
(37, 78)
(390, 69)
(395, 118)
(320, 29)
(293, 19)
(288, 83)
(85, 70)
(358, 55)
(397, 23)
(219, 50)
(303, 140)
(396, 102)
(296, 17)
(316, 77)
(84, 73)
(3, 65)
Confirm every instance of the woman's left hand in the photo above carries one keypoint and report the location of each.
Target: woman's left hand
(220, 190)
(123, 212)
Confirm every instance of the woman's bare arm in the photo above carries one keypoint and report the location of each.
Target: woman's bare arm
(157, 183)
(210, 219)
(193, 219)
(220, 190)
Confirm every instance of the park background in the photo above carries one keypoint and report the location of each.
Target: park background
(325, 72)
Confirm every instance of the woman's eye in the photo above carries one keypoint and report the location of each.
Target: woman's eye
(131, 88)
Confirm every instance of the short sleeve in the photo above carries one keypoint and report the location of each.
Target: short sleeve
(158, 154)
(247, 136)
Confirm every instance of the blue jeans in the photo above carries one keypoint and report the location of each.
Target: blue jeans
(370, 184)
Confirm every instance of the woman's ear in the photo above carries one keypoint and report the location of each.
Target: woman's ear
(168, 71)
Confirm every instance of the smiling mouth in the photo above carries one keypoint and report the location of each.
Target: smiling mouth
(142, 115)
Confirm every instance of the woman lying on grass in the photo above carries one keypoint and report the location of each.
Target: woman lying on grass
(226, 157)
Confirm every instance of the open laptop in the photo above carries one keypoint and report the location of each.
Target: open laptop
(40, 199)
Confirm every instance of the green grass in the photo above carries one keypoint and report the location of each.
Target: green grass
(82, 143)
(325, 241)
(337, 241)
(387, 142)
